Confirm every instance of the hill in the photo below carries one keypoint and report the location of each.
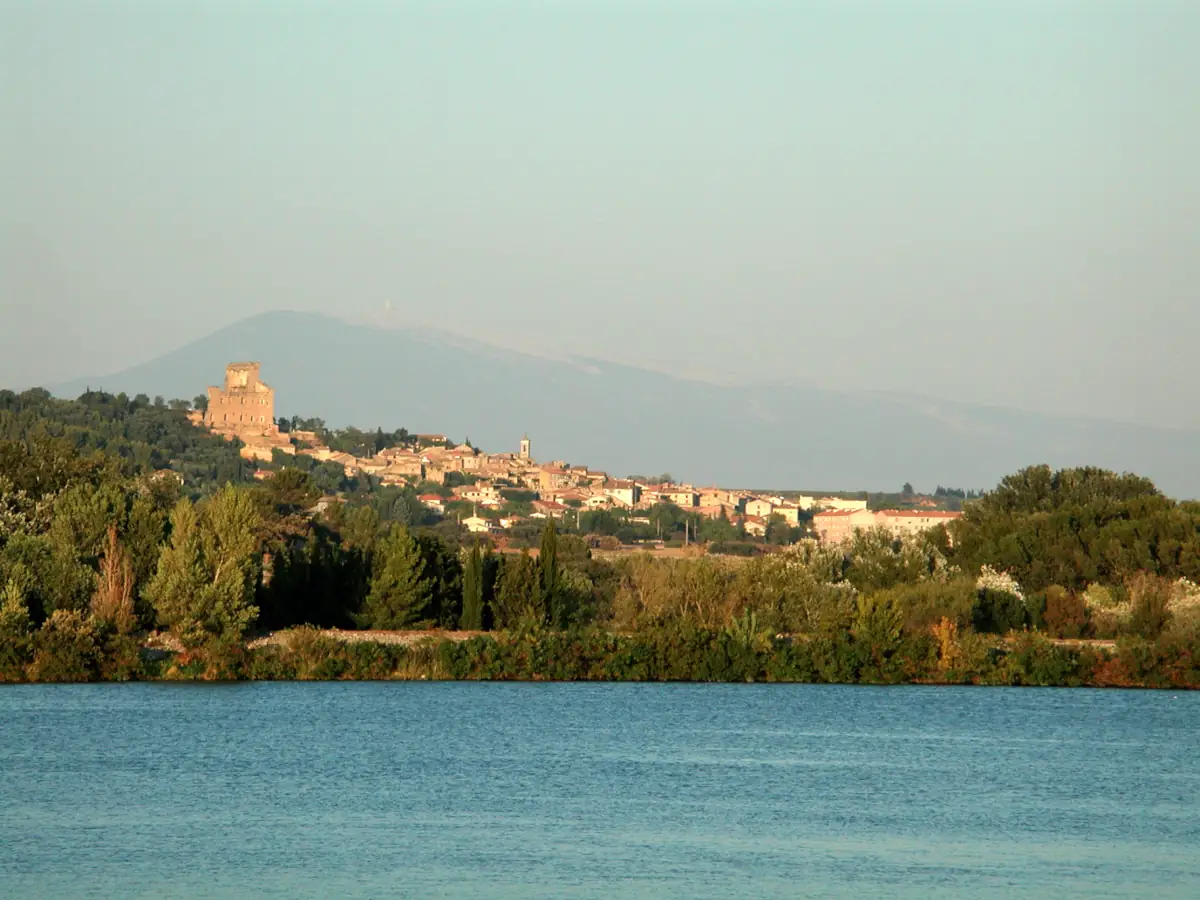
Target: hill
(625, 419)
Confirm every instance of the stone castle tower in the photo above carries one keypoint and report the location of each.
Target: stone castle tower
(245, 405)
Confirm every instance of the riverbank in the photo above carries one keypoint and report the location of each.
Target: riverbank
(945, 657)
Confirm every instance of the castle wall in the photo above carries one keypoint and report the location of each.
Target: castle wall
(244, 405)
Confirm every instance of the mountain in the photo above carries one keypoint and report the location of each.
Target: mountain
(625, 419)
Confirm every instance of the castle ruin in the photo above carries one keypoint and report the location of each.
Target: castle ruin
(244, 408)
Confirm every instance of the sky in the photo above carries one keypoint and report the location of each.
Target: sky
(996, 202)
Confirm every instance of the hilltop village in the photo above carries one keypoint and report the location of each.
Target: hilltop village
(495, 485)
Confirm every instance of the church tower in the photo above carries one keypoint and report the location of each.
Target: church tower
(525, 447)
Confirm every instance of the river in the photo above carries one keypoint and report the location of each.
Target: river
(456, 790)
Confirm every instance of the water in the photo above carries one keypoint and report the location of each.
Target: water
(596, 791)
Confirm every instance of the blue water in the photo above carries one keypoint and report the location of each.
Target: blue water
(596, 791)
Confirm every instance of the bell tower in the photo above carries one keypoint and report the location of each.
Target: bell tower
(524, 454)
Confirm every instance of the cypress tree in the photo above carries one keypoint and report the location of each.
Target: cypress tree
(489, 575)
(472, 603)
(548, 570)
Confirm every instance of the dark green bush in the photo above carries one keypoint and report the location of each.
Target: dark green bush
(65, 649)
(998, 612)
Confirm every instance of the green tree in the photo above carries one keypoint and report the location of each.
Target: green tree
(400, 593)
(16, 629)
(516, 592)
(548, 574)
(472, 604)
(361, 529)
(205, 583)
(443, 568)
(666, 518)
(1073, 527)
(66, 648)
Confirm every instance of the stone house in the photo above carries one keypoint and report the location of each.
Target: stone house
(623, 492)
(837, 526)
(548, 509)
(434, 502)
(681, 496)
(757, 506)
(837, 504)
(477, 525)
(552, 478)
(409, 466)
(483, 494)
(789, 511)
(755, 525)
(914, 521)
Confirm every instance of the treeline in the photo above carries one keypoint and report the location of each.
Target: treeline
(99, 551)
(138, 434)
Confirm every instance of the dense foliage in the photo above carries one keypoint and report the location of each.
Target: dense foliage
(111, 570)
(138, 434)
(1076, 527)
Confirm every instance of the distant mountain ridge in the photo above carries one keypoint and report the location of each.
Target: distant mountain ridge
(624, 419)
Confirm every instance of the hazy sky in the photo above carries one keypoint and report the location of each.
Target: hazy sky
(990, 201)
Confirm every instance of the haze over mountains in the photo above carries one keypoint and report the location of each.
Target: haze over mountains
(624, 419)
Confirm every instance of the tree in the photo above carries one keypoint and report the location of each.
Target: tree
(361, 529)
(516, 590)
(400, 593)
(206, 578)
(16, 630)
(472, 604)
(112, 604)
(490, 574)
(548, 574)
(666, 517)
(291, 491)
(200, 403)
(444, 572)
(779, 532)
(1073, 527)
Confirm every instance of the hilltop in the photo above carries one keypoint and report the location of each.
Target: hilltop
(625, 419)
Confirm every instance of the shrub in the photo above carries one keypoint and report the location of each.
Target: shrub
(1108, 610)
(1151, 598)
(1065, 614)
(270, 663)
(1034, 660)
(65, 649)
(925, 604)
(997, 612)
(119, 655)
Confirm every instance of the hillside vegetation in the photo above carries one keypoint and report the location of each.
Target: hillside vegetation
(98, 549)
